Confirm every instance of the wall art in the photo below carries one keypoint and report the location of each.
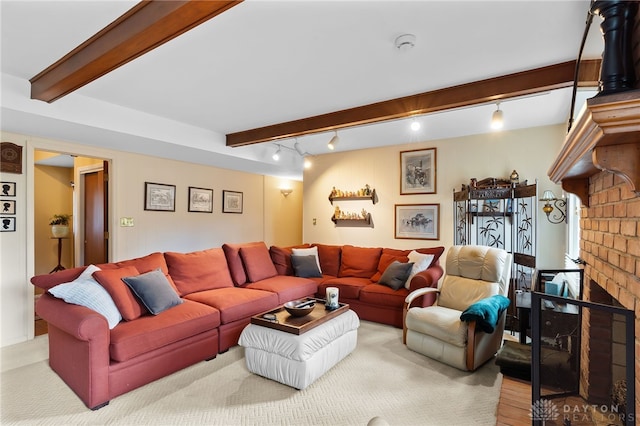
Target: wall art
(200, 200)
(417, 221)
(159, 197)
(231, 202)
(418, 171)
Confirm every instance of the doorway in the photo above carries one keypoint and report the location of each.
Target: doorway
(75, 185)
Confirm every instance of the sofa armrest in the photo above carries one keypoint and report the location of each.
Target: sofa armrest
(78, 321)
(427, 278)
(78, 348)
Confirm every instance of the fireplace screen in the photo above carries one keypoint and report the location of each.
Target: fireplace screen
(582, 356)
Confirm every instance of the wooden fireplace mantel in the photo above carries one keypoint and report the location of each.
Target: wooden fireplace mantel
(606, 136)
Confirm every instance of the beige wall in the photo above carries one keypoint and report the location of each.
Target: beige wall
(267, 216)
(529, 151)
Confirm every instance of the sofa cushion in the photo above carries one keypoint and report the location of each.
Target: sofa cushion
(148, 263)
(421, 262)
(311, 251)
(306, 266)
(257, 262)
(382, 295)
(287, 287)
(349, 287)
(127, 303)
(198, 270)
(435, 251)
(154, 291)
(329, 259)
(148, 333)
(236, 303)
(387, 257)
(234, 261)
(86, 291)
(396, 274)
(361, 262)
(281, 258)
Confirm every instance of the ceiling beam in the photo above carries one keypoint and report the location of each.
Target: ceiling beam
(144, 27)
(475, 93)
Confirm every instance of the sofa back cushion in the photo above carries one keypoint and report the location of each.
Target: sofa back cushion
(198, 270)
(435, 251)
(148, 263)
(234, 261)
(387, 257)
(281, 258)
(360, 262)
(257, 262)
(329, 259)
(128, 304)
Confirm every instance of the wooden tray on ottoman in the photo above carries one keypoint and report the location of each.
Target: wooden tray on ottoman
(298, 325)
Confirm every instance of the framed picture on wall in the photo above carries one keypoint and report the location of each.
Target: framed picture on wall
(7, 224)
(159, 197)
(231, 202)
(417, 221)
(8, 189)
(200, 200)
(418, 171)
(8, 207)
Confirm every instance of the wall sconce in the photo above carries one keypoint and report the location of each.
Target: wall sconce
(560, 204)
(286, 191)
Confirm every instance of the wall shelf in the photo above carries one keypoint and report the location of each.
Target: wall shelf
(373, 197)
(363, 223)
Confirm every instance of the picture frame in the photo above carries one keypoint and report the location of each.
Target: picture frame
(418, 171)
(8, 206)
(232, 202)
(8, 189)
(417, 221)
(159, 197)
(7, 224)
(200, 200)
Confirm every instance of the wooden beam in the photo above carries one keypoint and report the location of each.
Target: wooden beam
(144, 27)
(479, 92)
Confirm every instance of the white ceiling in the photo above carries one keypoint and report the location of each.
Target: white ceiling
(266, 62)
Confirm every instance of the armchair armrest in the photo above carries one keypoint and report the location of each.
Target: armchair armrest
(407, 303)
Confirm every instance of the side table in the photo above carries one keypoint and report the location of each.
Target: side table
(59, 267)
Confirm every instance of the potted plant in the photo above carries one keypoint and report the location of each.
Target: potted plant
(60, 225)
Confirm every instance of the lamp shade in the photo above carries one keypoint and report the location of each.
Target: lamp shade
(548, 196)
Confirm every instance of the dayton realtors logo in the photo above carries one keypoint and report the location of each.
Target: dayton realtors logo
(544, 410)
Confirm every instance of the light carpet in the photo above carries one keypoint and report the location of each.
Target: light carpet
(380, 378)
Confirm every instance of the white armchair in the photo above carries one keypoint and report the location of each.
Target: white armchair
(472, 273)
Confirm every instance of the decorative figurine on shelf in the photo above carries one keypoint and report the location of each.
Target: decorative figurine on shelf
(334, 192)
(363, 213)
(515, 178)
(337, 213)
(474, 183)
(367, 190)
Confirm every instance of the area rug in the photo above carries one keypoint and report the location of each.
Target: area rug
(381, 378)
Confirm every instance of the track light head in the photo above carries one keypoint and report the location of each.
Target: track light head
(333, 142)
(497, 121)
(276, 155)
(298, 149)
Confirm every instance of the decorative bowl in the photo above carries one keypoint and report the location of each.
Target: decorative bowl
(300, 308)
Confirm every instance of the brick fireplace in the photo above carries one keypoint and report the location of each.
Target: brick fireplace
(610, 245)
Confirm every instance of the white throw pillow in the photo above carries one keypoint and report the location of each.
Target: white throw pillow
(313, 251)
(87, 292)
(420, 263)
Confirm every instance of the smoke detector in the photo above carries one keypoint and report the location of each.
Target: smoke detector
(405, 42)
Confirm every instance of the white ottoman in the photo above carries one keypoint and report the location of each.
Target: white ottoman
(298, 360)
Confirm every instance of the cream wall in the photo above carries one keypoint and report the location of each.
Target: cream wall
(267, 216)
(529, 151)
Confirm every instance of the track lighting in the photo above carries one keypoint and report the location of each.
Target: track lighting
(332, 143)
(415, 125)
(497, 121)
(276, 155)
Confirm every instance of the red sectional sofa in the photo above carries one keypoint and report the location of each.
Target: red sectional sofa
(218, 291)
(355, 271)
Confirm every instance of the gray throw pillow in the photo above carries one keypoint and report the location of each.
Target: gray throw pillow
(305, 266)
(396, 274)
(154, 291)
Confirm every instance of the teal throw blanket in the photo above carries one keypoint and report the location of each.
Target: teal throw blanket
(486, 312)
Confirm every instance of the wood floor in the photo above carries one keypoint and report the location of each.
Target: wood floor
(514, 408)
